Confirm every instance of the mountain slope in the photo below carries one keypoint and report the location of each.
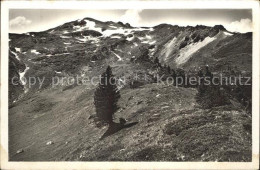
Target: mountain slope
(84, 41)
(54, 121)
(170, 128)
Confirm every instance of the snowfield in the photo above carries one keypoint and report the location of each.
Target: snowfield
(108, 33)
(90, 25)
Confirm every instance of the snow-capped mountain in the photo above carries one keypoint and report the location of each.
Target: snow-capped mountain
(73, 46)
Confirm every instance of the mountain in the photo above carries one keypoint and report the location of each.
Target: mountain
(39, 113)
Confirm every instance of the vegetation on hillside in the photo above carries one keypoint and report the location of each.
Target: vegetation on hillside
(106, 97)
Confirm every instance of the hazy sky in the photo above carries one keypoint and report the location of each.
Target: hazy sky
(26, 20)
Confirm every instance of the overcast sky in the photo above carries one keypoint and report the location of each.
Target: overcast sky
(26, 20)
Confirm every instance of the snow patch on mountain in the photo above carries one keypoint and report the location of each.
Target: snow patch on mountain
(130, 38)
(58, 72)
(35, 52)
(84, 39)
(147, 39)
(227, 33)
(112, 26)
(151, 52)
(22, 78)
(124, 31)
(18, 49)
(107, 33)
(186, 52)
(62, 36)
(88, 38)
(90, 25)
(16, 56)
(111, 29)
(152, 42)
(77, 27)
(119, 58)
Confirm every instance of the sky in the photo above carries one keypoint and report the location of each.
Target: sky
(28, 20)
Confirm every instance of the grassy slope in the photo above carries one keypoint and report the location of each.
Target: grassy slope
(170, 127)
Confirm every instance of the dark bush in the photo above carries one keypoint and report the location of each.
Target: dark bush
(183, 44)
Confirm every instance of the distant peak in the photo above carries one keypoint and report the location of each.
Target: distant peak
(201, 26)
(164, 25)
(124, 25)
(90, 19)
(219, 27)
